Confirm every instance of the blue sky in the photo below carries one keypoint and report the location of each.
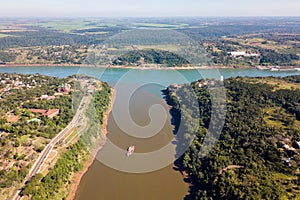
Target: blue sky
(136, 8)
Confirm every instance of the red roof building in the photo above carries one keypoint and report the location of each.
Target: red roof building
(52, 113)
(46, 113)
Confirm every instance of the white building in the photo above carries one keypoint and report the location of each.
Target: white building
(237, 53)
(243, 53)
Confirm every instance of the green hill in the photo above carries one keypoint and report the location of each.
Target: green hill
(150, 56)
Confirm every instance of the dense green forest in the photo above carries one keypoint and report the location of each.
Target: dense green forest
(53, 185)
(38, 36)
(270, 56)
(257, 154)
(150, 56)
(7, 57)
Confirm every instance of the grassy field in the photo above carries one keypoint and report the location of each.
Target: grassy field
(285, 179)
(95, 33)
(153, 25)
(278, 84)
(24, 138)
(271, 121)
(276, 117)
(167, 47)
(66, 26)
(287, 47)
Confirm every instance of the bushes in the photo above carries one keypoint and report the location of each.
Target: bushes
(48, 186)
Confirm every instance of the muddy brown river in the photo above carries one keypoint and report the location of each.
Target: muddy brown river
(102, 182)
(105, 183)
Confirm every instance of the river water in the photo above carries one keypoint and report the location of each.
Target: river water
(143, 76)
(113, 176)
(103, 182)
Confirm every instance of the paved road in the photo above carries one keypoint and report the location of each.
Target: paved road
(39, 162)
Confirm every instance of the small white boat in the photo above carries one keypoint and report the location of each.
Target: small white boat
(130, 151)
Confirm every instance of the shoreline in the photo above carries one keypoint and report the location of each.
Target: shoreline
(123, 67)
(75, 181)
(149, 67)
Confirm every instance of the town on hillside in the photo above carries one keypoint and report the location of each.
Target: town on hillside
(34, 108)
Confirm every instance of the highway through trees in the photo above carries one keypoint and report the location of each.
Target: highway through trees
(45, 153)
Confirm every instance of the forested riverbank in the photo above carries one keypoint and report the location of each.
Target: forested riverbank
(77, 157)
(78, 176)
(257, 153)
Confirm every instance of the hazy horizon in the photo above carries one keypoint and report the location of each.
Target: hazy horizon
(154, 8)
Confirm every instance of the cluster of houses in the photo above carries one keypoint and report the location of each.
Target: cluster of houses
(292, 148)
(62, 89)
(15, 85)
(201, 83)
(279, 68)
(52, 53)
(206, 83)
(56, 51)
(11, 84)
(209, 82)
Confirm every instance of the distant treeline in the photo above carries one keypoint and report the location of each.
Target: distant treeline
(7, 57)
(111, 30)
(46, 37)
(216, 31)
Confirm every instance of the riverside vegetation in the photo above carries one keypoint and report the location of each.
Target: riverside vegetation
(150, 56)
(257, 154)
(54, 185)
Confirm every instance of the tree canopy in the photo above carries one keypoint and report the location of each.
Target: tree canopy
(254, 157)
